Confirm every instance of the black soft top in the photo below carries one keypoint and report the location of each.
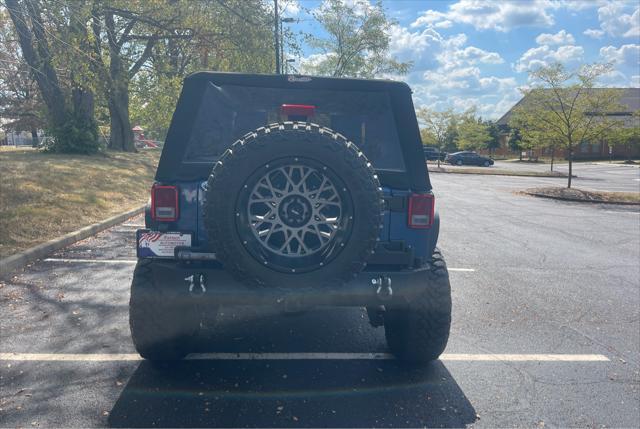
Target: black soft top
(171, 163)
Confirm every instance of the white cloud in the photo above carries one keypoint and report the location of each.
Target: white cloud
(616, 23)
(580, 5)
(613, 79)
(465, 87)
(624, 55)
(469, 55)
(508, 100)
(635, 81)
(594, 33)
(307, 64)
(544, 55)
(420, 47)
(443, 24)
(289, 8)
(560, 38)
(447, 71)
(467, 81)
(429, 18)
(500, 16)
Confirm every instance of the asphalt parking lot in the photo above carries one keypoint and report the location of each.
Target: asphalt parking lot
(532, 279)
(600, 176)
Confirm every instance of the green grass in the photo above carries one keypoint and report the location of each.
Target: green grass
(43, 195)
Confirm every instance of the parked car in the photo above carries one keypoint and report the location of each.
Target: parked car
(468, 158)
(433, 153)
(292, 192)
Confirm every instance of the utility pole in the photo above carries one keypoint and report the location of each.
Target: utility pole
(277, 41)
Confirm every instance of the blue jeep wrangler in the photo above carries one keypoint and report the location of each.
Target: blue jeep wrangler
(291, 191)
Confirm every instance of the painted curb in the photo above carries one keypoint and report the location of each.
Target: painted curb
(500, 174)
(576, 200)
(13, 262)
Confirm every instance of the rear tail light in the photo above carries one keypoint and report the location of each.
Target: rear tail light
(164, 203)
(421, 210)
(298, 112)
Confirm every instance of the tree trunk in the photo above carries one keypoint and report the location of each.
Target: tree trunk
(553, 152)
(83, 104)
(570, 166)
(121, 137)
(34, 138)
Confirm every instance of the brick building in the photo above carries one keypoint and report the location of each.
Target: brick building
(629, 99)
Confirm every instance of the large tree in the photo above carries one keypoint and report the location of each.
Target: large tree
(21, 107)
(357, 44)
(123, 35)
(229, 35)
(473, 133)
(562, 106)
(69, 103)
(436, 125)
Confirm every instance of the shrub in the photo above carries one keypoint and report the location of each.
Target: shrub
(79, 134)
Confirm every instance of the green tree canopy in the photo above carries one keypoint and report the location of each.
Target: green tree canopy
(561, 106)
(358, 41)
(435, 126)
(473, 133)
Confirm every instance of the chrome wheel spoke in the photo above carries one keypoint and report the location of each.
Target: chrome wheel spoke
(294, 210)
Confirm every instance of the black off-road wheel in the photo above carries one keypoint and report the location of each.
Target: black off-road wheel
(293, 203)
(418, 332)
(161, 327)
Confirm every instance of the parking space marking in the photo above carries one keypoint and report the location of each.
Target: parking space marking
(447, 357)
(93, 261)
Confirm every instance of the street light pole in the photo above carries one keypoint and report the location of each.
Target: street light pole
(283, 60)
(277, 42)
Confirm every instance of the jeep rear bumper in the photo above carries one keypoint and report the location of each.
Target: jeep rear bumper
(215, 286)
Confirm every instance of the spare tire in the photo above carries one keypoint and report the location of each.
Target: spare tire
(293, 203)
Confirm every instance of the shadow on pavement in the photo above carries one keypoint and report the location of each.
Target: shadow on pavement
(292, 393)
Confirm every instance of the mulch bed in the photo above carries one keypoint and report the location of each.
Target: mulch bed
(573, 194)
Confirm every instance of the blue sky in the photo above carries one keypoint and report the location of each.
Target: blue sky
(470, 52)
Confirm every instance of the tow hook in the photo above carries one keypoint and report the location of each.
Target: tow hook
(383, 284)
(197, 284)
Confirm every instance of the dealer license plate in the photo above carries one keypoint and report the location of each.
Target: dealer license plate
(155, 244)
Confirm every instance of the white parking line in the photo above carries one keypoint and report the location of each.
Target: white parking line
(447, 357)
(93, 261)
(133, 261)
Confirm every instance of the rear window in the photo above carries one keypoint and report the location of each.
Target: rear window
(228, 112)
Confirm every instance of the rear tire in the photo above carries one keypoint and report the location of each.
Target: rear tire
(161, 327)
(250, 175)
(418, 332)
(486, 164)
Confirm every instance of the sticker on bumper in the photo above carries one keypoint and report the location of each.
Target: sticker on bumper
(153, 244)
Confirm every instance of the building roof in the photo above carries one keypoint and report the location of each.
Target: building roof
(629, 98)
